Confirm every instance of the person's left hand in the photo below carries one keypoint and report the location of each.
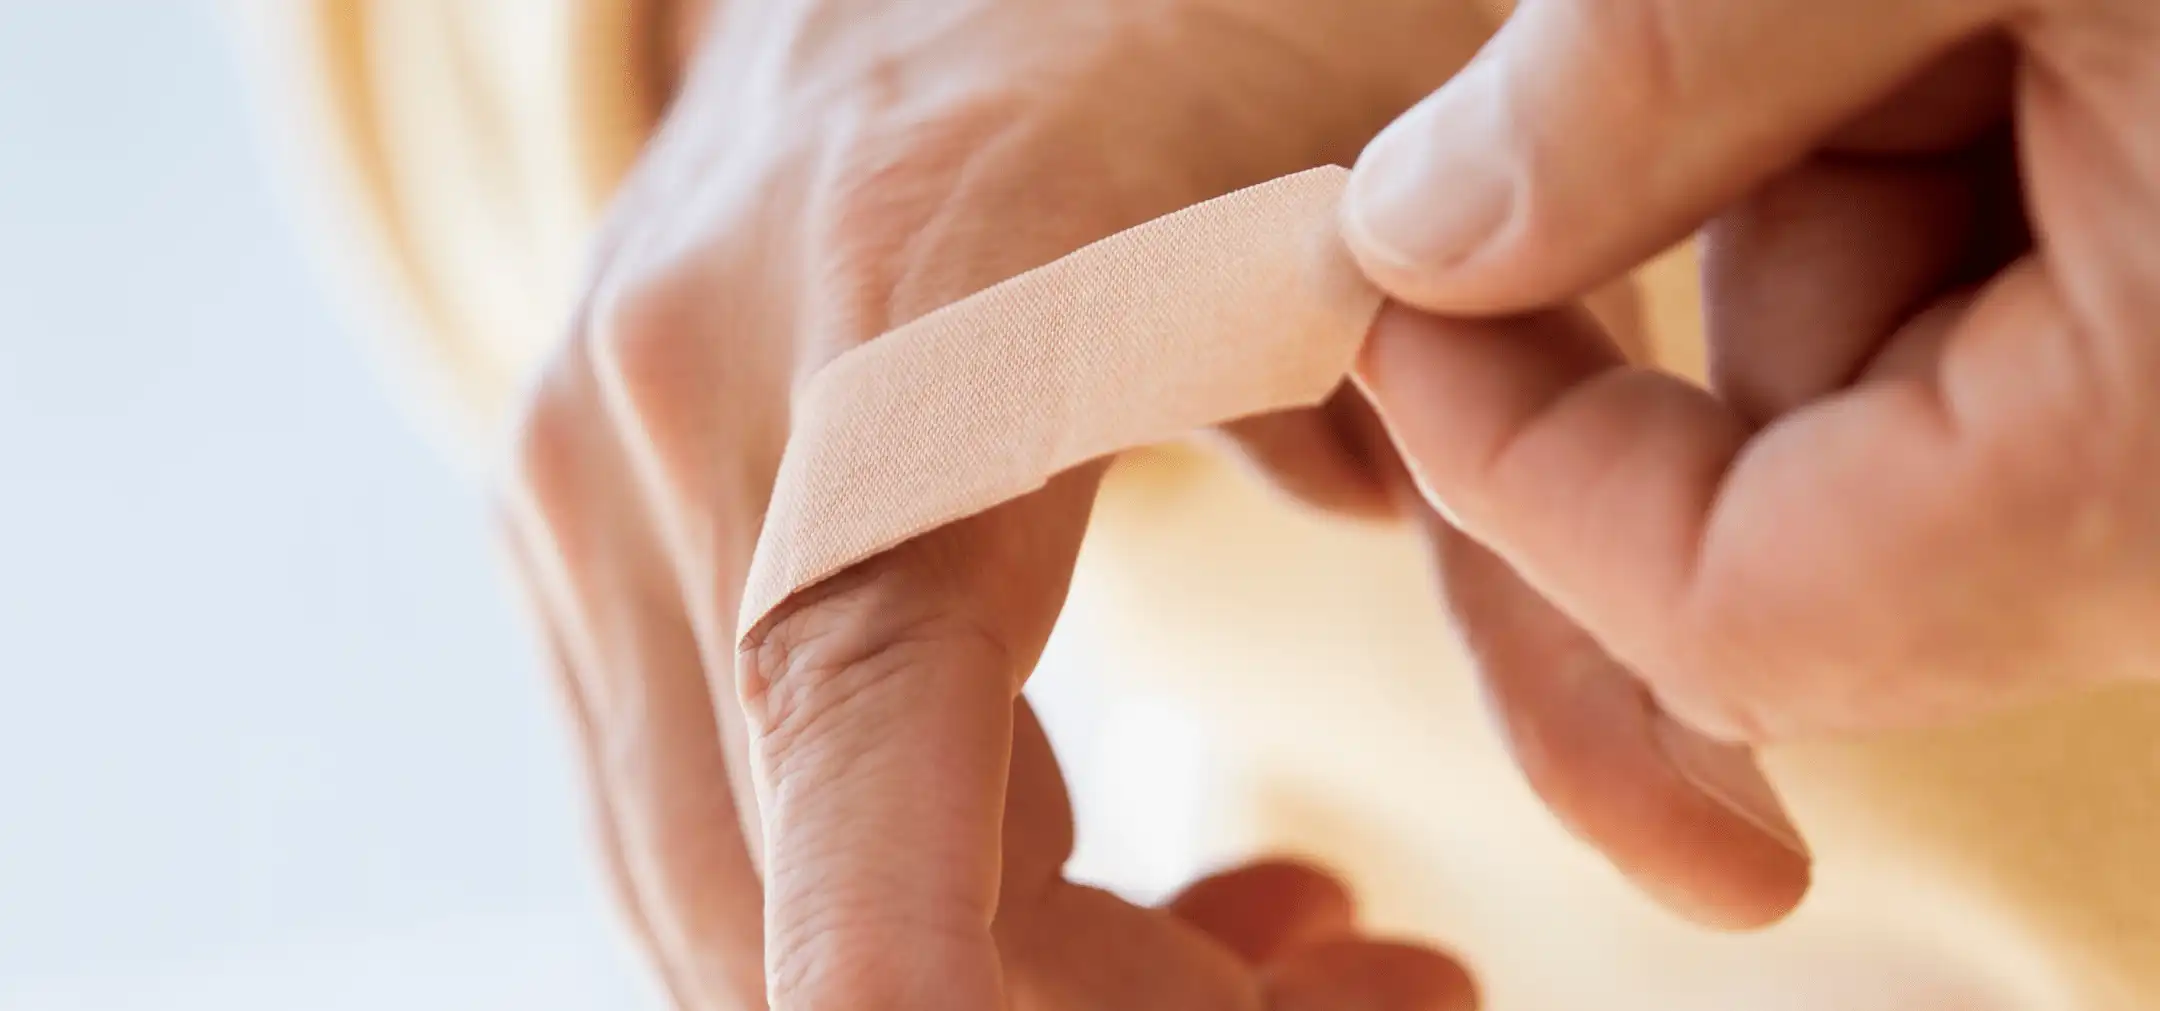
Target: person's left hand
(830, 170)
(871, 817)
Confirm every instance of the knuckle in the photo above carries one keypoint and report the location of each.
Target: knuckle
(545, 439)
(877, 220)
(839, 959)
(641, 336)
(828, 655)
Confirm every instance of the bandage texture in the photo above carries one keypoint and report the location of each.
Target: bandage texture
(1242, 305)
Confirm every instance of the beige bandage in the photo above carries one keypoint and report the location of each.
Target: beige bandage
(1242, 305)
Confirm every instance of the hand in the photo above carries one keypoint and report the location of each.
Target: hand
(1925, 481)
(830, 170)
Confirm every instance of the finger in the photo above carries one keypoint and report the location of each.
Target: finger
(1955, 102)
(622, 884)
(1313, 456)
(1939, 481)
(1619, 310)
(1593, 133)
(1592, 480)
(1262, 911)
(1693, 822)
(1335, 457)
(1370, 976)
(1081, 947)
(2088, 164)
(1103, 952)
(1065, 945)
(660, 756)
(641, 700)
(1808, 277)
(1596, 483)
(881, 709)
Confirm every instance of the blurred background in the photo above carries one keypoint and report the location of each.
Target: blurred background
(270, 734)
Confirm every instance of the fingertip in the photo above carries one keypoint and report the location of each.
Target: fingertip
(1261, 911)
(1456, 207)
(1370, 976)
(1764, 884)
(1691, 821)
(1312, 457)
(1727, 773)
(1430, 195)
(1587, 136)
(1451, 391)
(1769, 871)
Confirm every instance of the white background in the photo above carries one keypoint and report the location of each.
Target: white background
(269, 734)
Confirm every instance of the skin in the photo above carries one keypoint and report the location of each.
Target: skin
(1921, 485)
(860, 811)
(825, 175)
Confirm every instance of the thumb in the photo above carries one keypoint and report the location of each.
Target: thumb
(880, 705)
(1591, 134)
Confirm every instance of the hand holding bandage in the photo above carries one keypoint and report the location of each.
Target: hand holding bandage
(1924, 483)
(728, 383)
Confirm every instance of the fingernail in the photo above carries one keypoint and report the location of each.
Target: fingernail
(1435, 186)
(1728, 774)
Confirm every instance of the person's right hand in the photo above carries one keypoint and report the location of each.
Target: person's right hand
(1925, 482)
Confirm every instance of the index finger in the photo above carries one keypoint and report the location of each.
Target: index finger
(1593, 479)
(880, 705)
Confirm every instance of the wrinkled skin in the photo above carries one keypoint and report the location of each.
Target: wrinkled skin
(860, 811)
